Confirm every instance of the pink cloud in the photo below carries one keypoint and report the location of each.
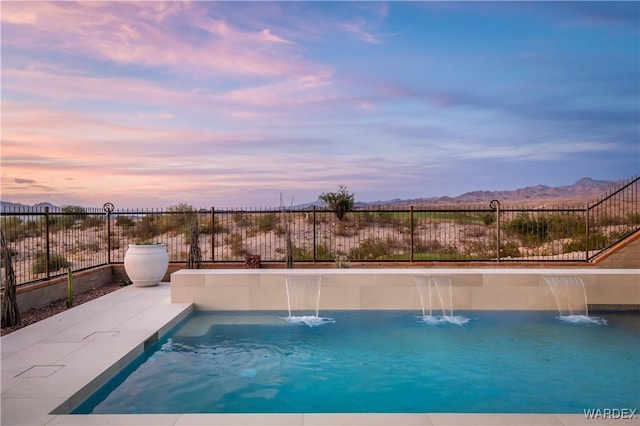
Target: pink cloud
(146, 33)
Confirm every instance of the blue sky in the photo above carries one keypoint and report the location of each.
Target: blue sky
(230, 104)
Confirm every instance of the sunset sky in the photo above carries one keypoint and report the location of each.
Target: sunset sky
(230, 104)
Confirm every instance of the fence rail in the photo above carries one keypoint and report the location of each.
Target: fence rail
(45, 243)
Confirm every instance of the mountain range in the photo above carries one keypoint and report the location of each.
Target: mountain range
(583, 191)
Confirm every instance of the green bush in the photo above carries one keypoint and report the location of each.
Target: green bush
(92, 221)
(489, 218)
(531, 230)
(56, 262)
(340, 201)
(124, 221)
(322, 253)
(597, 241)
(67, 217)
(634, 218)
(242, 219)
(373, 248)
(13, 228)
(267, 222)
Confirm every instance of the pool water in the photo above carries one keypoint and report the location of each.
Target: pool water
(382, 361)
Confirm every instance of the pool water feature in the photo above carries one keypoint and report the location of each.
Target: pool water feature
(303, 300)
(381, 361)
(435, 290)
(571, 299)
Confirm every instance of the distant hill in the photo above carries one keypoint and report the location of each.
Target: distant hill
(583, 191)
(6, 206)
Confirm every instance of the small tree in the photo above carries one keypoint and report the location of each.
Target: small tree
(340, 202)
(10, 311)
(195, 254)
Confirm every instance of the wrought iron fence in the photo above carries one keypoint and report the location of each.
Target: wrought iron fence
(45, 243)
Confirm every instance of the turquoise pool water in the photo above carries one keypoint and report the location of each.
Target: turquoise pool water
(382, 361)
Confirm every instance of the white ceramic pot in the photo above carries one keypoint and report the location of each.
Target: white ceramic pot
(146, 264)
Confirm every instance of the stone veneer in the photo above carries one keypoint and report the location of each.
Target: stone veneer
(474, 289)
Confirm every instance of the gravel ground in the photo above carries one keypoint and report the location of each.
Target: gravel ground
(34, 315)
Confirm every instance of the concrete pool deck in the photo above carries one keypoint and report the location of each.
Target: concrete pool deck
(51, 366)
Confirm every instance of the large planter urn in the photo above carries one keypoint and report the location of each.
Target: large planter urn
(146, 264)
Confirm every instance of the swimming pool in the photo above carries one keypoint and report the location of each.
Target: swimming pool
(381, 361)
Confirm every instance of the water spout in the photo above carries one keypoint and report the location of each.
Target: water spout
(303, 300)
(570, 297)
(434, 291)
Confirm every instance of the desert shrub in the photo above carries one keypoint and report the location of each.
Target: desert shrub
(176, 219)
(218, 227)
(115, 242)
(340, 201)
(566, 225)
(322, 253)
(634, 218)
(92, 221)
(489, 218)
(300, 253)
(67, 217)
(147, 227)
(609, 220)
(476, 232)
(479, 250)
(530, 229)
(236, 244)
(124, 221)
(13, 228)
(363, 219)
(510, 249)
(343, 229)
(597, 240)
(373, 248)
(56, 262)
(434, 249)
(241, 219)
(279, 230)
(267, 222)
(384, 218)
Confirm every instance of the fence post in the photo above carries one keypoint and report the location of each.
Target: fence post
(47, 242)
(411, 235)
(213, 234)
(108, 208)
(314, 234)
(586, 233)
(495, 204)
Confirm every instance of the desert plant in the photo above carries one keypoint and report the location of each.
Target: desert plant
(242, 219)
(67, 217)
(340, 201)
(267, 222)
(195, 254)
(124, 221)
(10, 311)
(236, 244)
(56, 262)
(373, 248)
(531, 230)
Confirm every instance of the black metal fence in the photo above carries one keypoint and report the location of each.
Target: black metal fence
(45, 243)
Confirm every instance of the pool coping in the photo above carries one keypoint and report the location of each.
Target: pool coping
(50, 366)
